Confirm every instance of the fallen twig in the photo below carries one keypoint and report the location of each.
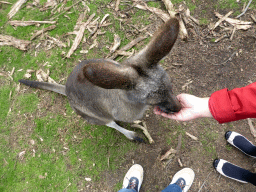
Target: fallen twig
(57, 41)
(191, 136)
(80, 20)
(221, 20)
(253, 18)
(117, 5)
(124, 53)
(240, 24)
(229, 59)
(233, 32)
(15, 8)
(252, 129)
(144, 129)
(27, 23)
(204, 181)
(5, 2)
(244, 10)
(18, 43)
(220, 38)
(185, 86)
(171, 150)
(117, 42)
(166, 155)
(165, 17)
(66, 9)
(79, 36)
(42, 76)
(42, 31)
(128, 46)
(180, 164)
(169, 6)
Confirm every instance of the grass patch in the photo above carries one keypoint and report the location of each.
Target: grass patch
(57, 151)
(208, 140)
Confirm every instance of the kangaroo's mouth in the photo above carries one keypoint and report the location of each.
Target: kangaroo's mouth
(167, 108)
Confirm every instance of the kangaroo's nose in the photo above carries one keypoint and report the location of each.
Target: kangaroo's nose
(170, 107)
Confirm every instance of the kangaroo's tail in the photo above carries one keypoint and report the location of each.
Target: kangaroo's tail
(61, 89)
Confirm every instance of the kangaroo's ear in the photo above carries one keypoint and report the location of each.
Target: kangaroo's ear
(159, 46)
(109, 74)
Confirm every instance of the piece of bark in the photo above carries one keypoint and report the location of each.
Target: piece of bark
(42, 31)
(117, 5)
(27, 23)
(18, 43)
(79, 36)
(117, 42)
(15, 8)
(5, 2)
(80, 20)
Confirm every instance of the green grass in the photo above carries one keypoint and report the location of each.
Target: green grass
(66, 150)
(208, 139)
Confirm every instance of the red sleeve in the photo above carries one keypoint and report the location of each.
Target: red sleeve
(232, 105)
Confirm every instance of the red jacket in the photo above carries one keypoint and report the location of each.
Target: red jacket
(231, 105)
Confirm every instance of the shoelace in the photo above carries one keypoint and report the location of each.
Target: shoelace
(132, 184)
(181, 184)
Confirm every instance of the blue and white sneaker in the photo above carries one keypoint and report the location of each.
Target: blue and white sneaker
(133, 178)
(184, 179)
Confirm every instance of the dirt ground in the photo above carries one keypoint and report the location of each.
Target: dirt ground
(205, 67)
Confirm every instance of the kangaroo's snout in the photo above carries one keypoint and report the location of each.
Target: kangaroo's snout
(172, 106)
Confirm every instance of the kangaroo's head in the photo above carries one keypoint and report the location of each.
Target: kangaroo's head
(140, 76)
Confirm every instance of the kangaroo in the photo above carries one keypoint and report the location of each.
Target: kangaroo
(104, 91)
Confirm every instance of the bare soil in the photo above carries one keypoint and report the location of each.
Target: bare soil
(209, 67)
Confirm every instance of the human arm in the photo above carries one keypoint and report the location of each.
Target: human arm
(192, 108)
(223, 105)
(232, 105)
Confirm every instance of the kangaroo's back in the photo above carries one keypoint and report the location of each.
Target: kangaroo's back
(99, 105)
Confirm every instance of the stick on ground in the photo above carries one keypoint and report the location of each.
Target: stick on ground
(15, 8)
(18, 43)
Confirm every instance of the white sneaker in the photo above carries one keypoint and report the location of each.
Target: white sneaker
(186, 175)
(133, 178)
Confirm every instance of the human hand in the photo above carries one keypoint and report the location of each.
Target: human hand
(192, 108)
